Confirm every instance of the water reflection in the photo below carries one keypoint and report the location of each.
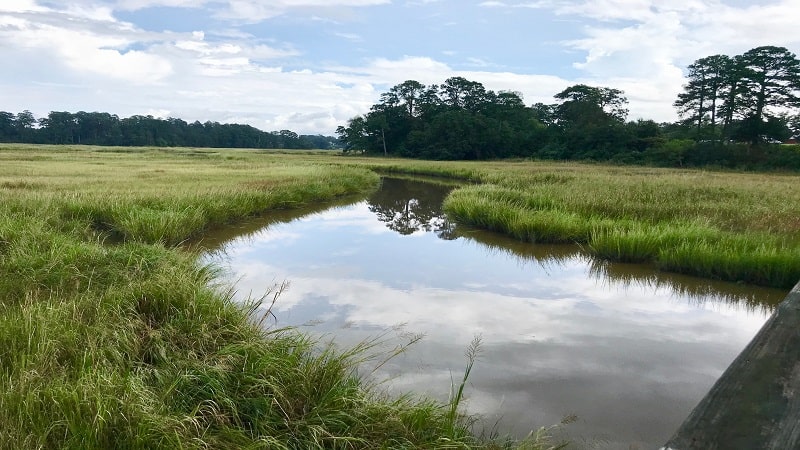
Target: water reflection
(644, 276)
(697, 291)
(628, 350)
(216, 239)
(406, 206)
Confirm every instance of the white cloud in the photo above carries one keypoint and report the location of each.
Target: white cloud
(227, 74)
(646, 58)
(349, 36)
(83, 43)
(20, 6)
(258, 10)
(382, 73)
(141, 4)
(558, 341)
(532, 5)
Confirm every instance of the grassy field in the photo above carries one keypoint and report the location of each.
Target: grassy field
(113, 336)
(730, 226)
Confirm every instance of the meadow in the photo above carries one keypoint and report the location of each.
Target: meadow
(113, 335)
(741, 227)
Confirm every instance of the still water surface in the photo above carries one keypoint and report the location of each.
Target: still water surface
(623, 349)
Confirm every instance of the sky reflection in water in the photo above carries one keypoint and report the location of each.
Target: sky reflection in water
(626, 349)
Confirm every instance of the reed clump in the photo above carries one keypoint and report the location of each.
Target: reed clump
(740, 227)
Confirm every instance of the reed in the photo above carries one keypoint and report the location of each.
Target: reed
(641, 242)
(722, 225)
(755, 259)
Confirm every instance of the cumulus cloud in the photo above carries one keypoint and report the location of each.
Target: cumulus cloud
(642, 46)
(259, 10)
(141, 4)
(639, 46)
(81, 40)
(382, 72)
(81, 55)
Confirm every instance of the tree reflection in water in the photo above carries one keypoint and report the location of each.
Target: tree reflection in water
(408, 206)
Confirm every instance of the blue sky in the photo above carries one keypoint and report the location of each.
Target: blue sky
(309, 65)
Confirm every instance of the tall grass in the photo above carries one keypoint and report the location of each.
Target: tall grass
(724, 225)
(758, 260)
(113, 337)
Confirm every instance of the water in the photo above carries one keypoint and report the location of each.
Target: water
(621, 350)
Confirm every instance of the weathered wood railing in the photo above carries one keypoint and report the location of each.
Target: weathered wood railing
(756, 403)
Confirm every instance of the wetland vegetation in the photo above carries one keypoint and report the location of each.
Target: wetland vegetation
(110, 336)
(111, 333)
(735, 227)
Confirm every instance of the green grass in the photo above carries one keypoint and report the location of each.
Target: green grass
(113, 336)
(763, 260)
(724, 225)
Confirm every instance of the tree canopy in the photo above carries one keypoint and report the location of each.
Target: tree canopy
(98, 128)
(753, 92)
(732, 109)
(461, 119)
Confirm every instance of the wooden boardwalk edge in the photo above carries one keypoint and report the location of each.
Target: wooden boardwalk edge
(755, 404)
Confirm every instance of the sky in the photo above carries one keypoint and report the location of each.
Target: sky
(310, 65)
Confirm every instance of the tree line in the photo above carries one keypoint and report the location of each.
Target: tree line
(730, 109)
(730, 112)
(99, 128)
(744, 97)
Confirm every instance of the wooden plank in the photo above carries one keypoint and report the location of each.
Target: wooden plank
(756, 403)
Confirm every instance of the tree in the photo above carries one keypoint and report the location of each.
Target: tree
(406, 94)
(771, 79)
(7, 130)
(60, 127)
(460, 93)
(24, 124)
(385, 119)
(354, 135)
(410, 207)
(731, 94)
(545, 114)
(365, 133)
(793, 122)
(590, 121)
(608, 100)
(698, 103)
(459, 119)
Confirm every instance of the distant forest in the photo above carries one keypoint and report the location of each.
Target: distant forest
(96, 128)
(734, 112)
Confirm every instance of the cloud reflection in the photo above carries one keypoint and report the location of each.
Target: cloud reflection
(621, 347)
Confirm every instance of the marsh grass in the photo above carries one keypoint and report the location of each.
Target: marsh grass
(764, 260)
(639, 242)
(527, 218)
(113, 337)
(722, 225)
